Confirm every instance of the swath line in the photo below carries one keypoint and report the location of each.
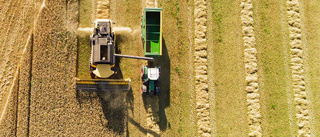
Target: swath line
(252, 89)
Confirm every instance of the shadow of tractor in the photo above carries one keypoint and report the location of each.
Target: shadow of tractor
(159, 103)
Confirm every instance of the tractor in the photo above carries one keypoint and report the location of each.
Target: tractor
(150, 78)
(152, 44)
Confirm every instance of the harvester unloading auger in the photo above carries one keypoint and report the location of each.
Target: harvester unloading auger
(102, 61)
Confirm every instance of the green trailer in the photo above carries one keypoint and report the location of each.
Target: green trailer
(152, 32)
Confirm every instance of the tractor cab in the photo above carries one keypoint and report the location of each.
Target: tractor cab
(153, 73)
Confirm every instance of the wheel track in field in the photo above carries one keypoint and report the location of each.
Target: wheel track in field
(252, 88)
(285, 38)
(8, 60)
(298, 69)
(211, 70)
(15, 77)
(191, 80)
(307, 72)
(201, 73)
(7, 26)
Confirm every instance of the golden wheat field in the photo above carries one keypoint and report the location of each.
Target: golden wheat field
(228, 68)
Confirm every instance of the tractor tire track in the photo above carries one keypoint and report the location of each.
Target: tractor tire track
(8, 60)
(290, 97)
(13, 54)
(298, 69)
(18, 63)
(7, 21)
(191, 80)
(201, 73)
(252, 89)
(307, 72)
(211, 70)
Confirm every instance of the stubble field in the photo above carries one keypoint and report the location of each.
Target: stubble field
(229, 68)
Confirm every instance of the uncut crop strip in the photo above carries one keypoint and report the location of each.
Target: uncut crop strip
(19, 63)
(6, 71)
(103, 9)
(4, 10)
(300, 94)
(252, 89)
(200, 60)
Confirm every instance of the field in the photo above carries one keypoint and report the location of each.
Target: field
(229, 68)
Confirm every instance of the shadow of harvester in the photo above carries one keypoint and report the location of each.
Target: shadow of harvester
(113, 102)
(115, 110)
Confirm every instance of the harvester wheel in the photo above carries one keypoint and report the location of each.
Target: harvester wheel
(93, 76)
(90, 67)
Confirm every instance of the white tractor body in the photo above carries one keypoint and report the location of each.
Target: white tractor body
(153, 73)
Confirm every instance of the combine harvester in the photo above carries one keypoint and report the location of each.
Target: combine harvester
(152, 43)
(102, 61)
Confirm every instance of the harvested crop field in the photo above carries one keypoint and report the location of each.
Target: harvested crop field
(228, 68)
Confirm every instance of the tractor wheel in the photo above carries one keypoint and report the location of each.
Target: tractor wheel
(144, 89)
(159, 70)
(157, 91)
(142, 71)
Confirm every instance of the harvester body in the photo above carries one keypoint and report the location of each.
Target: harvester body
(102, 61)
